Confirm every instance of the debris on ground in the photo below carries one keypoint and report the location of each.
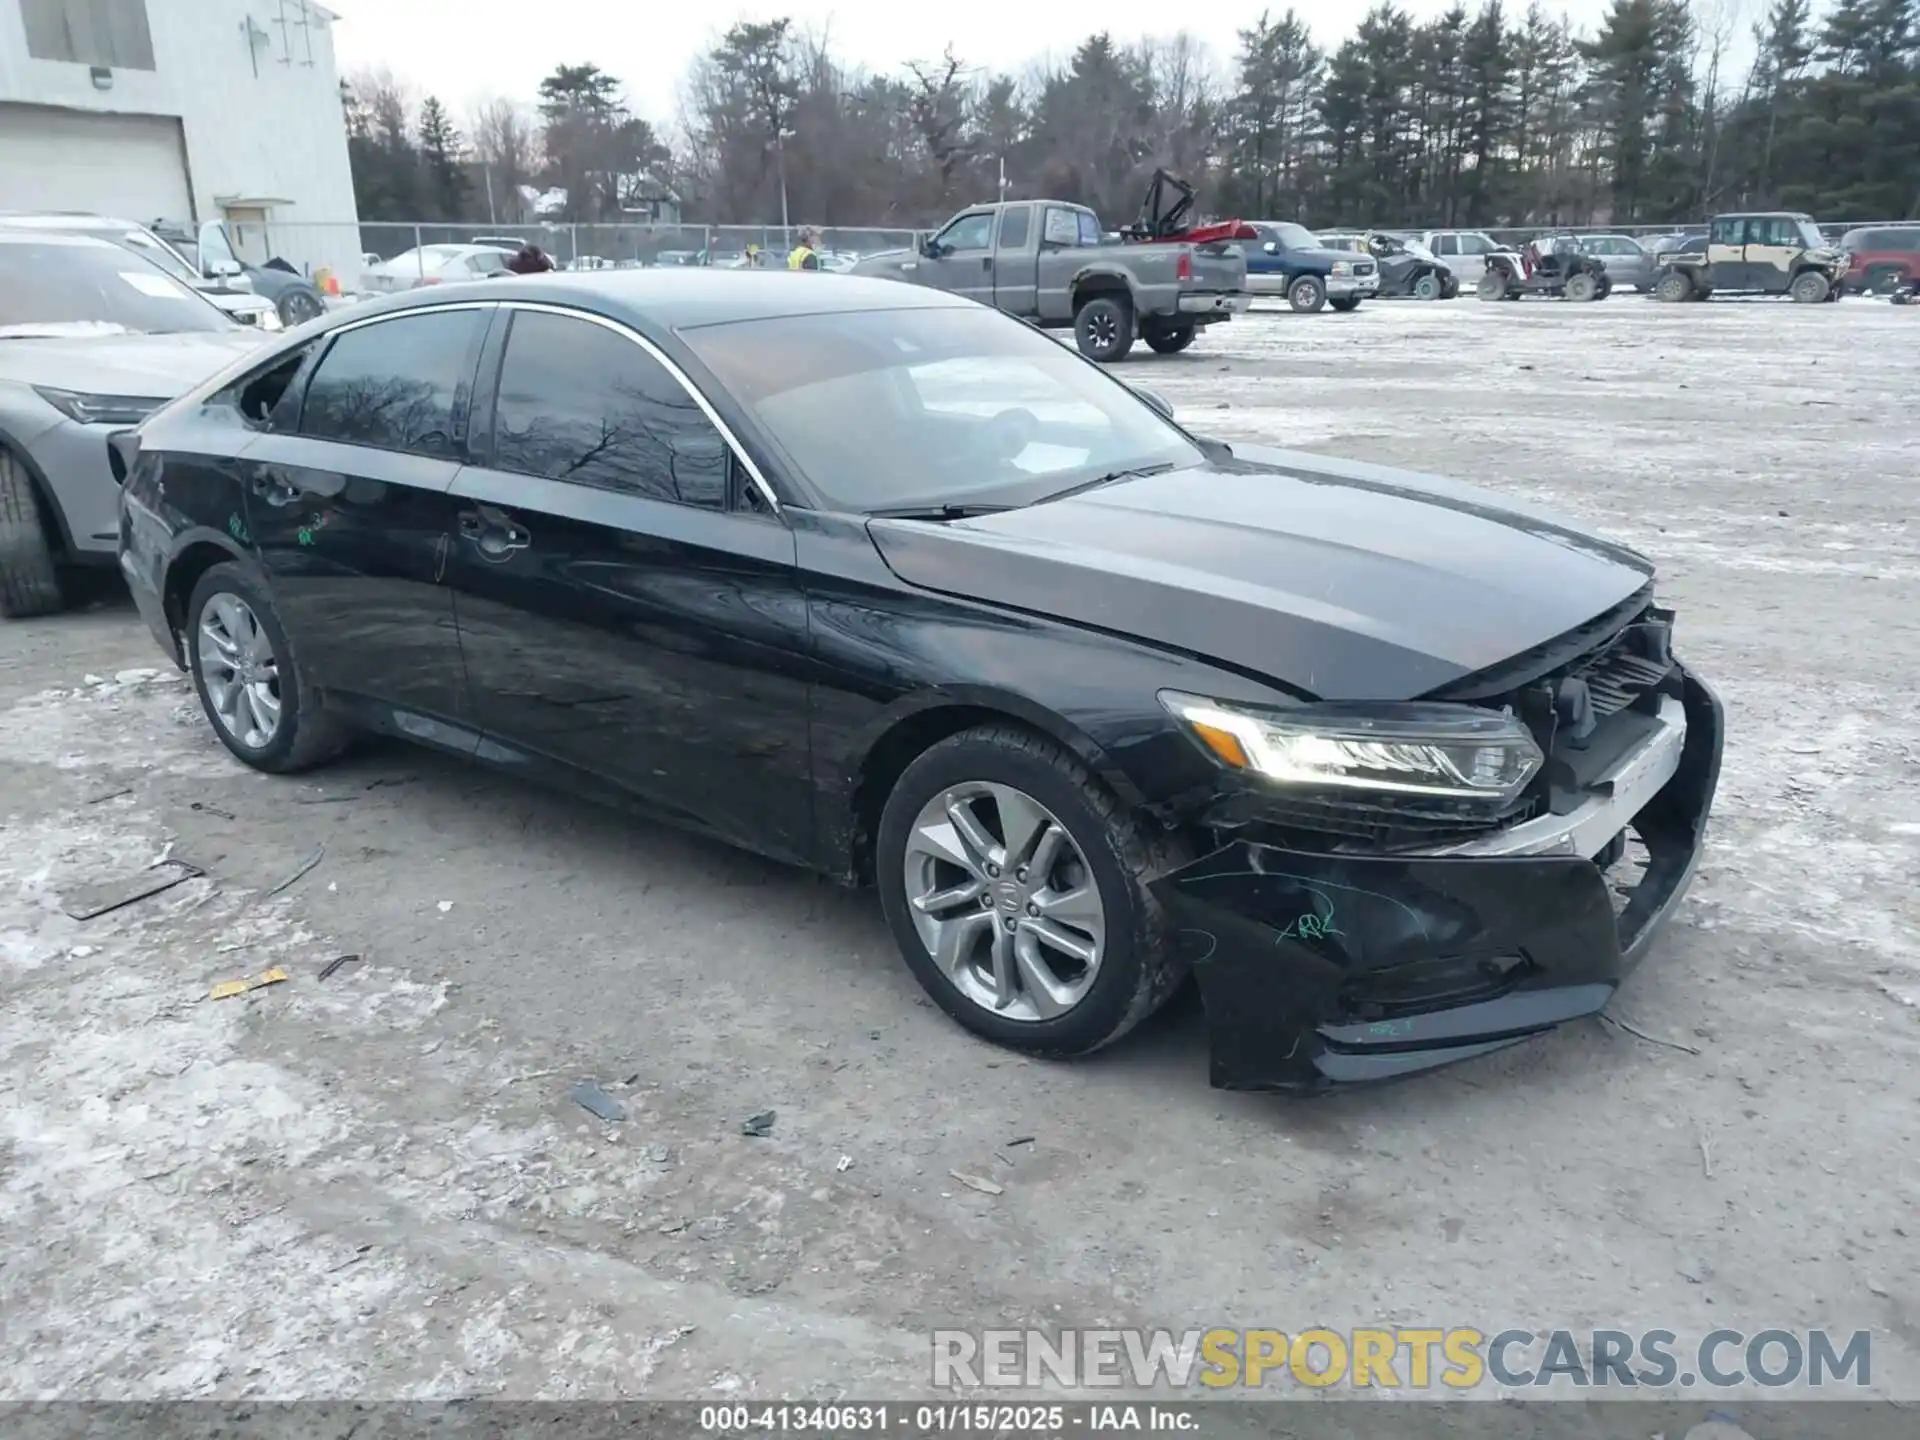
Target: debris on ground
(108, 895)
(1020, 1140)
(227, 989)
(590, 1097)
(445, 906)
(843, 1164)
(674, 1227)
(110, 795)
(305, 866)
(760, 1125)
(977, 1182)
(207, 809)
(338, 964)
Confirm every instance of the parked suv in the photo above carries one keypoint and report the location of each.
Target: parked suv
(1464, 252)
(1881, 258)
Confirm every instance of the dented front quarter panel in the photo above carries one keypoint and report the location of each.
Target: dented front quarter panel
(1321, 969)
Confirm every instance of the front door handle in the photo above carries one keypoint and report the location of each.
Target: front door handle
(986, 262)
(494, 533)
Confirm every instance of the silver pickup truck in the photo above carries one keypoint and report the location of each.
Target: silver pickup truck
(1049, 261)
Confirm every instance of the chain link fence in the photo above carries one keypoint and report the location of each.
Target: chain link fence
(350, 259)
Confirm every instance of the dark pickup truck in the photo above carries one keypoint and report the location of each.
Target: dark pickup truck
(1049, 261)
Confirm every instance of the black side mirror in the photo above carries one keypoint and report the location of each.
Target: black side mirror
(930, 248)
(1156, 400)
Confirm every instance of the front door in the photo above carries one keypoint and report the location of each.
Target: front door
(628, 607)
(965, 262)
(349, 510)
(1774, 246)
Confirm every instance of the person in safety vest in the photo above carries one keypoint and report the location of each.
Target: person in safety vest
(805, 255)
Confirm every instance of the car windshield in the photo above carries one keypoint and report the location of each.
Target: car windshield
(896, 409)
(151, 246)
(1292, 236)
(52, 288)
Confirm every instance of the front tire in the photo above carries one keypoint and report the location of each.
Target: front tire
(1581, 288)
(1103, 328)
(248, 679)
(296, 307)
(1673, 287)
(1810, 287)
(29, 572)
(1493, 286)
(1346, 304)
(1307, 295)
(1015, 886)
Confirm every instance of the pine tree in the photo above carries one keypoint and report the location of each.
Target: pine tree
(446, 185)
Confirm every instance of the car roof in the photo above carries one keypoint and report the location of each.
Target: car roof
(655, 299)
(68, 220)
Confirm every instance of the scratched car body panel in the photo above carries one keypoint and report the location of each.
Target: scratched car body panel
(1400, 772)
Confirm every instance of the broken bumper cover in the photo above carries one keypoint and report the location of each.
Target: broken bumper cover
(1320, 969)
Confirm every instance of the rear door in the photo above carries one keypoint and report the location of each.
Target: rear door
(965, 264)
(627, 599)
(1773, 247)
(1016, 262)
(349, 509)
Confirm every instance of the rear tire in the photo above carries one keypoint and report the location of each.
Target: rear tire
(1674, 287)
(1170, 340)
(1103, 328)
(29, 572)
(297, 306)
(229, 602)
(1136, 969)
(1307, 295)
(1345, 304)
(1428, 287)
(1493, 286)
(1810, 287)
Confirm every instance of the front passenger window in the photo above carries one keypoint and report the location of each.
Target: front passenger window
(580, 402)
(400, 384)
(969, 232)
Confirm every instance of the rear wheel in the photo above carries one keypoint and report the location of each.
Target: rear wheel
(1427, 287)
(1493, 286)
(1015, 886)
(1810, 287)
(1169, 339)
(1345, 303)
(248, 680)
(1673, 287)
(29, 573)
(296, 307)
(1103, 328)
(1307, 295)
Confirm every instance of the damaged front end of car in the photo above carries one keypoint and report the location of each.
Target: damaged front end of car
(1398, 891)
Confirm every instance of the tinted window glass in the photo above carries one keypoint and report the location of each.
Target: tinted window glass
(1446, 245)
(969, 232)
(397, 385)
(1014, 225)
(581, 402)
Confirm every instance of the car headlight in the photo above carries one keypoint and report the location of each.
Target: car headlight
(269, 319)
(1444, 752)
(1342, 267)
(100, 409)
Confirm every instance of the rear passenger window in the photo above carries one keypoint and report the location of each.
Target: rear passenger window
(580, 402)
(1446, 245)
(1015, 223)
(401, 384)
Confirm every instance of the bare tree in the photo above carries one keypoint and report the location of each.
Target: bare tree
(506, 146)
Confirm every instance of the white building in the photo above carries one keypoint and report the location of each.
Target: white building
(181, 110)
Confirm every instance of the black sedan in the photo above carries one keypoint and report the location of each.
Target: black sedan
(877, 580)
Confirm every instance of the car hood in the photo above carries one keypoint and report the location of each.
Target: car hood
(157, 366)
(1337, 579)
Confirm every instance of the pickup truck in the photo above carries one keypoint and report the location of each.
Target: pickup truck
(1049, 262)
(1291, 261)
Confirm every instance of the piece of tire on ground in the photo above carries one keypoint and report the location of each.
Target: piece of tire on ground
(1492, 286)
(29, 570)
(1307, 295)
(1169, 339)
(1103, 328)
(1810, 287)
(1673, 287)
(1139, 967)
(1345, 304)
(1902, 297)
(1581, 288)
(1428, 287)
(305, 734)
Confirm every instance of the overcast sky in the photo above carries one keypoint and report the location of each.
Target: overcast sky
(481, 48)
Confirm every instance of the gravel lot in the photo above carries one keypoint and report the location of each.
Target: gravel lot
(376, 1185)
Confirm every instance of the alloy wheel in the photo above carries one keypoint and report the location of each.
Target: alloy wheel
(1104, 329)
(1004, 900)
(238, 668)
